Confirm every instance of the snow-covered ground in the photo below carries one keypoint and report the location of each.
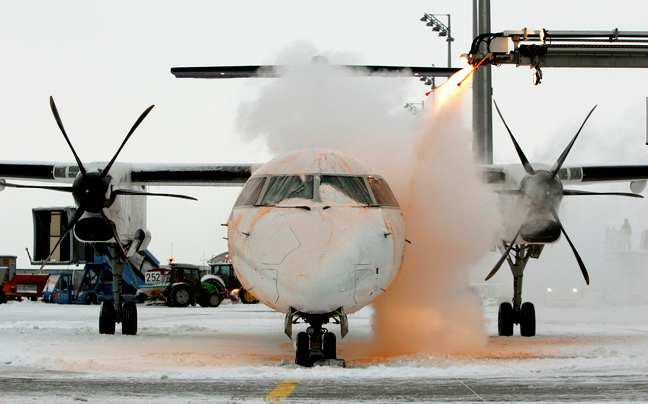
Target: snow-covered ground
(247, 341)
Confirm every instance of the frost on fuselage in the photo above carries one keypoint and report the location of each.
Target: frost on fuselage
(316, 232)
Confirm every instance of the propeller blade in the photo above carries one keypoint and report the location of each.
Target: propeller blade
(503, 257)
(67, 139)
(563, 156)
(51, 188)
(137, 123)
(523, 159)
(129, 192)
(69, 227)
(571, 192)
(578, 258)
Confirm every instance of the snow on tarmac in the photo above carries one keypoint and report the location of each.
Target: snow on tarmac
(247, 341)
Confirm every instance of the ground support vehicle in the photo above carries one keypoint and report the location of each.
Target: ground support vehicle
(16, 286)
(94, 285)
(223, 273)
(185, 287)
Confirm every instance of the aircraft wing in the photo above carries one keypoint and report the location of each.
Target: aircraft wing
(37, 171)
(610, 173)
(192, 174)
(576, 175)
(231, 72)
(138, 173)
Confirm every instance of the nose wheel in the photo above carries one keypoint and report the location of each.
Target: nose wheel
(316, 346)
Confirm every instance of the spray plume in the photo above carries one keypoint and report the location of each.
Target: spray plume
(449, 213)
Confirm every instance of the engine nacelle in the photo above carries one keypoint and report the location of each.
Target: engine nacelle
(92, 228)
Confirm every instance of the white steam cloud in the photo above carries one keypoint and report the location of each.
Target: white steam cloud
(450, 216)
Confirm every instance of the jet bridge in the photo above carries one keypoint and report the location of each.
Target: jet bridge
(545, 48)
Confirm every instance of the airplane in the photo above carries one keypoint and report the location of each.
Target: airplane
(535, 192)
(315, 277)
(315, 234)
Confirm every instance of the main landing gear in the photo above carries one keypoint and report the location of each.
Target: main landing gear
(117, 310)
(316, 346)
(518, 312)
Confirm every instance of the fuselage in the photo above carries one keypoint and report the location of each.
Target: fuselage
(316, 231)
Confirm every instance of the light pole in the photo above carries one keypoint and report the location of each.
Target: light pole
(411, 106)
(431, 20)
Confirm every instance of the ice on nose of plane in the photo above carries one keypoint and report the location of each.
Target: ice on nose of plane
(319, 260)
(319, 241)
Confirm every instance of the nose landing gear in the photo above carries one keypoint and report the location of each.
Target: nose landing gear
(316, 346)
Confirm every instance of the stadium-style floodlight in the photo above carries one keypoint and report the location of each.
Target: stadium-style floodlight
(411, 106)
(443, 30)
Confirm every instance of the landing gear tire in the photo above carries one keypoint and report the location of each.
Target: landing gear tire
(527, 320)
(246, 297)
(107, 317)
(129, 321)
(329, 350)
(505, 320)
(302, 350)
(181, 296)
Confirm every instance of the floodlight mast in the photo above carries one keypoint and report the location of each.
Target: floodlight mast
(443, 30)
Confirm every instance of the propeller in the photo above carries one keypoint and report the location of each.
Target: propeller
(545, 191)
(578, 258)
(92, 190)
(523, 159)
(503, 257)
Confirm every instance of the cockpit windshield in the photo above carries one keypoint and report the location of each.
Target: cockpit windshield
(344, 190)
(288, 187)
(382, 192)
(251, 192)
(328, 189)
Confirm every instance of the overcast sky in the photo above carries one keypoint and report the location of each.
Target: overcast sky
(105, 62)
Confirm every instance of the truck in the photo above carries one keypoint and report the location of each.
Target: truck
(16, 286)
(185, 286)
(224, 273)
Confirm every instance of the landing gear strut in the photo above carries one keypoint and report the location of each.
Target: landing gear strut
(316, 346)
(117, 311)
(518, 312)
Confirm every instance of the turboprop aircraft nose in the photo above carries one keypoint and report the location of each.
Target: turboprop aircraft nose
(319, 259)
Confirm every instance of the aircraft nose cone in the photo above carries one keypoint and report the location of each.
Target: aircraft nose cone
(320, 275)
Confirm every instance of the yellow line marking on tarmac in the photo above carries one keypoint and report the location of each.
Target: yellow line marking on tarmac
(282, 391)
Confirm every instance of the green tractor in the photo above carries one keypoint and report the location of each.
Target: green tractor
(223, 274)
(185, 287)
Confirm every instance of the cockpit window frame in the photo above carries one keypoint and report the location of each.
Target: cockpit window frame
(316, 178)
